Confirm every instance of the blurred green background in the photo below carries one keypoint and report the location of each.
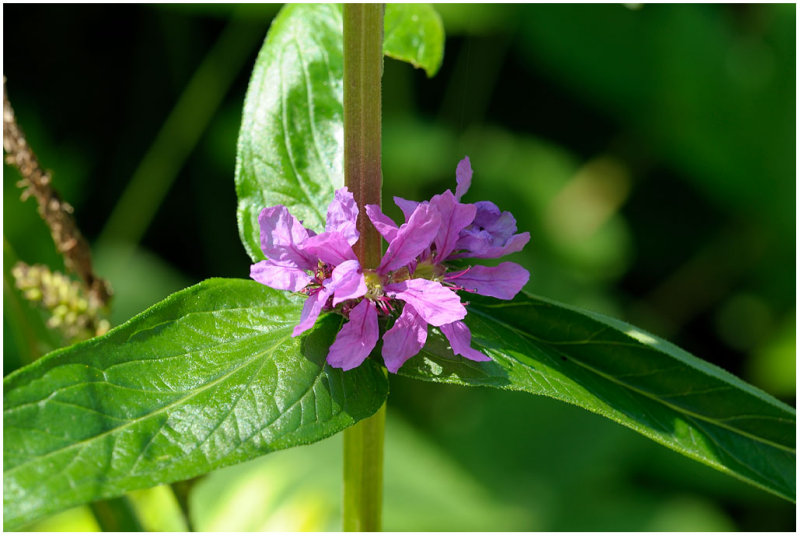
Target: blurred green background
(650, 151)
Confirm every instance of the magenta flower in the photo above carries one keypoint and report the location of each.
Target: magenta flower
(426, 301)
(322, 266)
(465, 230)
(413, 270)
(490, 233)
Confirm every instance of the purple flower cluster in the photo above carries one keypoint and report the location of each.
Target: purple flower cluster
(414, 270)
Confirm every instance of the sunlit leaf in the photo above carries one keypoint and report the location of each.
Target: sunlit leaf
(207, 378)
(291, 148)
(414, 33)
(617, 370)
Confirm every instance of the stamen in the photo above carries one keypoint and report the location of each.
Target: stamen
(457, 274)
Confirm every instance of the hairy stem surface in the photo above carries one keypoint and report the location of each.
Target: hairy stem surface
(363, 67)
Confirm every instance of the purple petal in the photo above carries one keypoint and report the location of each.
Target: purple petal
(383, 223)
(408, 207)
(347, 282)
(487, 214)
(342, 215)
(455, 217)
(279, 277)
(405, 339)
(331, 248)
(501, 226)
(411, 239)
(356, 339)
(487, 251)
(311, 310)
(471, 240)
(435, 303)
(281, 238)
(459, 336)
(463, 177)
(491, 234)
(502, 281)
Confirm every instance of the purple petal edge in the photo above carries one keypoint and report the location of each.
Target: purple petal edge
(435, 303)
(383, 223)
(279, 277)
(455, 217)
(404, 340)
(311, 309)
(347, 282)
(503, 281)
(463, 177)
(408, 207)
(330, 247)
(356, 339)
(412, 238)
(342, 215)
(282, 236)
(460, 338)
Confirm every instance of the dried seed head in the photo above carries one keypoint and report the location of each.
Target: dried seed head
(65, 300)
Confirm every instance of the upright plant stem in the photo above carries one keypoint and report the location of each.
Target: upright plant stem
(363, 67)
(363, 474)
(116, 515)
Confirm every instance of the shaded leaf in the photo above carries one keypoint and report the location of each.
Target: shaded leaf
(414, 33)
(207, 378)
(636, 379)
(301, 490)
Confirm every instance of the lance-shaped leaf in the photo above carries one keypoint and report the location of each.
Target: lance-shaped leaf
(209, 377)
(291, 143)
(634, 378)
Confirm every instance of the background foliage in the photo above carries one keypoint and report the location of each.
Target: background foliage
(649, 152)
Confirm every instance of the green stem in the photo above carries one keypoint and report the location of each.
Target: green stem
(181, 491)
(363, 474)
(116, 515)
(363, 67)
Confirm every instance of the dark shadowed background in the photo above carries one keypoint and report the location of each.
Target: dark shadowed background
(650, 152)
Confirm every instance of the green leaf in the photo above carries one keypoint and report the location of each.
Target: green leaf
(290, 149)
(207, 378)
(414, 33)
(634, 378)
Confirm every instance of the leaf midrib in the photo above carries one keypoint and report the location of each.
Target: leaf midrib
(680, 355)
(650, 396)
(153, 413)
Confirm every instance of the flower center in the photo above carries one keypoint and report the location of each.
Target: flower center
(374, 285)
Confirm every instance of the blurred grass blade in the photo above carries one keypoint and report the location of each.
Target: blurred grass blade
(290, 148)
(414, 33)
(180, 133)
(207, 378)
(634, 378)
